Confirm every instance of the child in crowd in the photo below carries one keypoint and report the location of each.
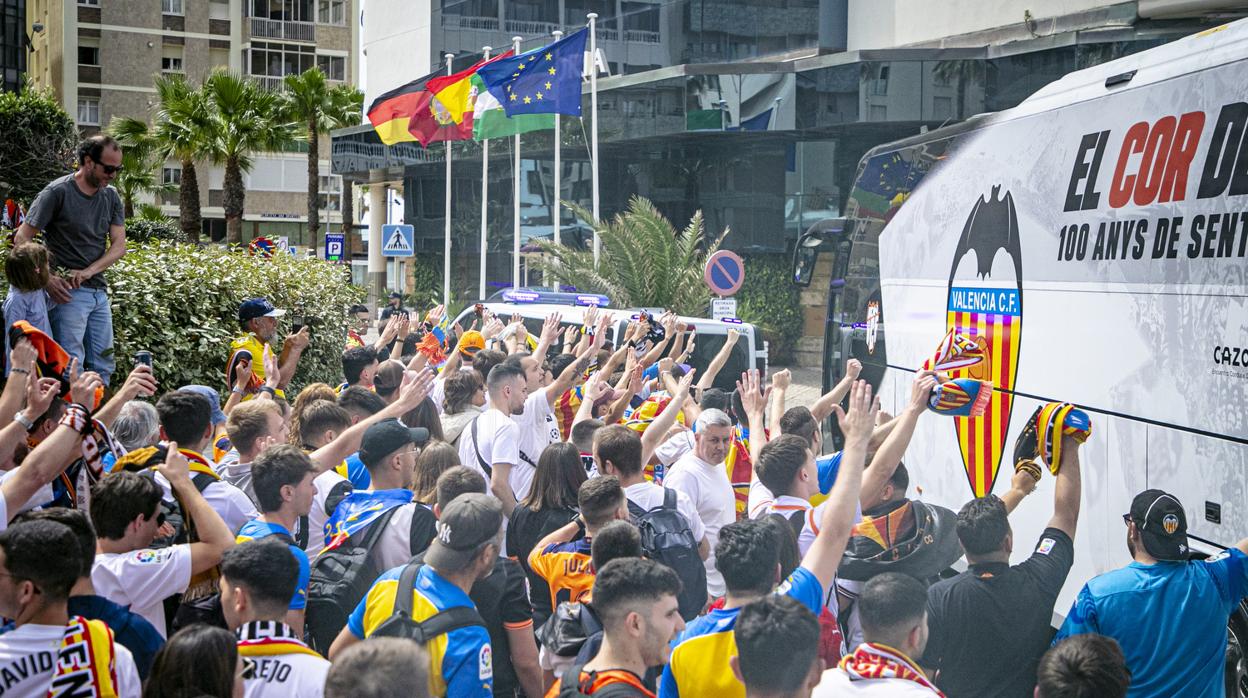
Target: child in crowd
(28, 273)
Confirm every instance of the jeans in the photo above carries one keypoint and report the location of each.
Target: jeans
(84, 328)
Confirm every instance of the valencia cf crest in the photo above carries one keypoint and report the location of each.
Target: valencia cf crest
(1170, 523)
(985, 304)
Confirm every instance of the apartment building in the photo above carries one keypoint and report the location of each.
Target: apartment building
(101, 56)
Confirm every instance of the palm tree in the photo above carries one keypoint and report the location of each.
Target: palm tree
(645, 261)
(310, 101)
(180, 131)
(140, 163)
(244, 119)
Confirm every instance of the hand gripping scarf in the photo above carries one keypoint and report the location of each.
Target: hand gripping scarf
(51, 360)
(961, 397)
(86, 662)
(1055, 420)
(875, 661)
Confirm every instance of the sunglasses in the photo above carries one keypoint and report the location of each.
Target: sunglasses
(110, 169)
(1126, 519)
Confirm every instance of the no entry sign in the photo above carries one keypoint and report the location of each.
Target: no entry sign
(724, 273)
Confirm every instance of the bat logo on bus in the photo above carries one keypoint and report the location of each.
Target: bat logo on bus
(985, 304)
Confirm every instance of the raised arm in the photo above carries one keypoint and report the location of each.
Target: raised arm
(50, 457)
(214, 536)
(550, 332)
(292, 349)
(656, 432)
(411, 393)
(140, 383)
(823, 406)
(755, 403)
(1067, 492)
(825, 552)
(1021, 485)
(717, 363)
(566, 378)
(888, 457)
(780, 382)
(21, 370)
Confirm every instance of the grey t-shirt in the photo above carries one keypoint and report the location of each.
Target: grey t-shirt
(75, 226)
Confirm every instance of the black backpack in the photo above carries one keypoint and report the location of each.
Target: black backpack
(667, 538)
(401, 625)
(339, 579)
(568, 629)
(569, 686)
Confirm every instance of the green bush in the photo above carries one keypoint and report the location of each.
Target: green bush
(142, 230)
(769, 300)
(181, 303)
(37, 145)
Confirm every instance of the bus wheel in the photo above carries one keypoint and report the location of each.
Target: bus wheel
(1237, 653)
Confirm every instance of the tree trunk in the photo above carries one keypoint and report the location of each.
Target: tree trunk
(128, 207)
(234, 196)
(348, 219)
(314, 185)
(188, 203)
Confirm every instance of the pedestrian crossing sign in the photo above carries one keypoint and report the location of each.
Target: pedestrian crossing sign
(398, 241)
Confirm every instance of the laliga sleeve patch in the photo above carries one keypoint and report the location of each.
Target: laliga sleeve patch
(1046, 546)
(485, 663)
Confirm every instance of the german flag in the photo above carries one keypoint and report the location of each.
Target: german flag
(410, 113)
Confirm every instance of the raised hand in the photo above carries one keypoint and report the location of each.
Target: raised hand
(435, 315)
(300, 339)
(733, 336)
(39, 395)
(176, 469)
(492, 328)
(921, 390)
(82, 390)
(415, 388)
(859, 421)
(140, 382)
(853, 368)
(272, 370)
(242, 374)
(23, 355)
(781, 380)
(752, 398)
(550, 328)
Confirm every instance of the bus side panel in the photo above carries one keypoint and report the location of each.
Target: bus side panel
(1199, 469)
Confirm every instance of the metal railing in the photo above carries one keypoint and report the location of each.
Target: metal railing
(517, 26)
(279, 29)
(270, 83)
(464, 22)
(641, 36)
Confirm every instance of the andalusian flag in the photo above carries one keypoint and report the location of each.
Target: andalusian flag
(490, 121)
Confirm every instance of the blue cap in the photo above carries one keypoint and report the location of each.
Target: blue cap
(214, 399)
(253, 308)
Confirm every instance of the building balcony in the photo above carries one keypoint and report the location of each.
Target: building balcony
(516, 26)
(279, 29)
(640, 36)
(270, 83)
(465, 22)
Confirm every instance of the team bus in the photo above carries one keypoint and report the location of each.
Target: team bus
(1093, 240)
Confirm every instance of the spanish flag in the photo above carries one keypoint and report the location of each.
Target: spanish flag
(455, 93)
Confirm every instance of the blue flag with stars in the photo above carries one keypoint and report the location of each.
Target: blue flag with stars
(543, 81)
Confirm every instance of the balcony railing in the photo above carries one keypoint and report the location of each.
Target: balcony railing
(641, 36)
(278, 29)
(516, 26)
(464, 22)
(270, 83)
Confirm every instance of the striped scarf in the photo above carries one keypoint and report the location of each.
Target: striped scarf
(875, 661)
(86, 662)
(268, 638)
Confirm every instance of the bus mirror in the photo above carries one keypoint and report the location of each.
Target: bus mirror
(804, 258)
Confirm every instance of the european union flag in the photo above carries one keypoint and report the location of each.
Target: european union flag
(543, 81)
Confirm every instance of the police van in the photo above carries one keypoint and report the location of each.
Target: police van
(1094, 237)
(534, 305)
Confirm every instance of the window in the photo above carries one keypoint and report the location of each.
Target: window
(331, 192)
(332, 12)
(88, 55)
(334, 67)
(278, 60)
(171, 175)
(880, 86)
(171, 7)
(170, 64)
(88, 111)
(90, 3)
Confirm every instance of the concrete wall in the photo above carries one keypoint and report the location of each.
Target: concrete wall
(393, 36)
(889, 23)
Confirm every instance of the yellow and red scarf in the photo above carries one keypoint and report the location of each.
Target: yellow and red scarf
(875, 661)
(269, 638)
(86, 652)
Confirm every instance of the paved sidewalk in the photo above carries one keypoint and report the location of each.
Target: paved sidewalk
(806, 387)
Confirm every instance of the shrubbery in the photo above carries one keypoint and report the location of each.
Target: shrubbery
(769, 300)
(180, 302)
(146, 230)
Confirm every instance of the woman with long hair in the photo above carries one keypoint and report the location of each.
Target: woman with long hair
(435, 459)
(465, 399)
(307, 396)
(425, 415)
(199, 660)
(551, 504)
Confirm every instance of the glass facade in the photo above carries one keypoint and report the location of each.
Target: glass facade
(13, 49)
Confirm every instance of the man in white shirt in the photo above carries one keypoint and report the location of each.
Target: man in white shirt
(702, 477)
(125, 511)
(257, 580)
(491, 443)
(186, 418)
(893, 610)
(252, 426)
(49, 653)
(322, 422)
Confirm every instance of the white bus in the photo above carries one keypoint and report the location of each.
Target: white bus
(1096, 237)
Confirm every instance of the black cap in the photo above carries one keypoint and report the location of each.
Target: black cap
(467, 522)
(396, 294)
(1162, 524)
(386, 437)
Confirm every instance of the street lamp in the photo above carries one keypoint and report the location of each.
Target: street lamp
(722, 106)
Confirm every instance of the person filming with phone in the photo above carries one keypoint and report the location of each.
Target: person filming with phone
(258, 320)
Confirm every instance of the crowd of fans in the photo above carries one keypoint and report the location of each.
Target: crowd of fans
(481, 511)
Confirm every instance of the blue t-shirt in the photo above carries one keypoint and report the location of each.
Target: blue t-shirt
(132, 630)
(461, 660)
(255, 529)
(357, 473)
(828, 467)
(699, 663)
(1169, 618)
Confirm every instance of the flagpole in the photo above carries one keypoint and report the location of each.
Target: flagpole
(593, 112)
(485, 193)
(555, 210)
(446, 245)
(515, 245)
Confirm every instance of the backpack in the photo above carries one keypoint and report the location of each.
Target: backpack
(667, 538)
(339, 579)
(568, 629)
(401, 625)
(207, 609)
(617, 689)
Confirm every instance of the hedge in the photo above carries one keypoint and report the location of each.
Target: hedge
(180, 302)
(769, 300)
